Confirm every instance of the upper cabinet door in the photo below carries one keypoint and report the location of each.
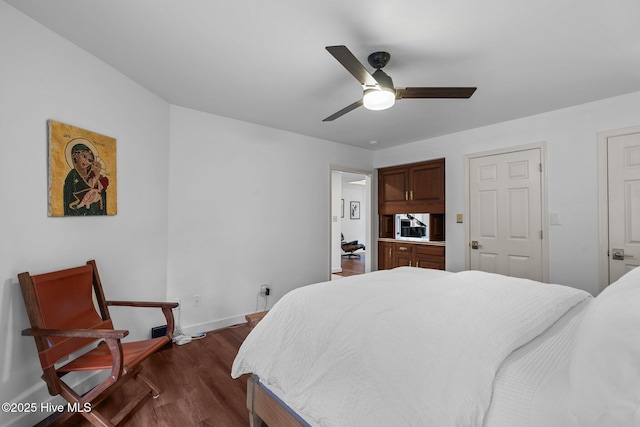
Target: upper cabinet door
(393, 190)
(427, 186)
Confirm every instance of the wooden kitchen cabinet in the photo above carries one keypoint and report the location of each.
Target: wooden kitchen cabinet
(392, 254)
(412, 188)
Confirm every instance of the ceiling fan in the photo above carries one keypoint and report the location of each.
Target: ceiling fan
(378, 90)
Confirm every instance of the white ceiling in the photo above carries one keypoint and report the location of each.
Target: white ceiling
(265, 61)
(348, 177)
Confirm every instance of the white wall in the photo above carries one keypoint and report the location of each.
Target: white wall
(571, 137)
(248, 205)
(354, 229)
(45, 77)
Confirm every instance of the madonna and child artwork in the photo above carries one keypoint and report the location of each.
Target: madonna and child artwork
(82, 172)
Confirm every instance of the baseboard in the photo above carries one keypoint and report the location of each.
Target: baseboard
(213, 325)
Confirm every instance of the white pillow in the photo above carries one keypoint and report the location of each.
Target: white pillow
(605, 363)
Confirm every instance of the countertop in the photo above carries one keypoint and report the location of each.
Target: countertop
(415, 241)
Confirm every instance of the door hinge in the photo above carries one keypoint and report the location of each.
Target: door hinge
(540, 167)
(541, 234)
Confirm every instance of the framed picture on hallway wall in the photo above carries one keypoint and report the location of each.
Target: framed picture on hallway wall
(82, 172)
(354, 210)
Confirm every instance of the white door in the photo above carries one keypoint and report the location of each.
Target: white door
(623, 158)
(505, 214)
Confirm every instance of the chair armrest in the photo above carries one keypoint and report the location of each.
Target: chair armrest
(77, 333)
(167, 310)
(144, 304)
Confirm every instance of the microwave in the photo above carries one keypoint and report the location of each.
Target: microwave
(412, 226)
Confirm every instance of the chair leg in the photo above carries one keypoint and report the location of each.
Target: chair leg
(154, 388)
(95, 417)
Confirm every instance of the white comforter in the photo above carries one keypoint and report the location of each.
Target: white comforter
(408, 346)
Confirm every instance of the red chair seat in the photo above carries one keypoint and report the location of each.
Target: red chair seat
(100, 357)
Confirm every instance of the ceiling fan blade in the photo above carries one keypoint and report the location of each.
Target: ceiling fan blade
(434, 92)
(355, 67)
(344, 111)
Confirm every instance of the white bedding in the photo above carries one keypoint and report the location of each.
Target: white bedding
(406, 346)
(527, 391)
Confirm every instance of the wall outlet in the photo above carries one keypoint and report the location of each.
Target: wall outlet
(264, 290)
(196, 300)
(159, 331)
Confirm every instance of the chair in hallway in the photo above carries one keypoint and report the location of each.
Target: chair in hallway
(350, 247)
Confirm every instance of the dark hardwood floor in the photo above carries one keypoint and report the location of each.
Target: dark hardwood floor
(197, 388)
(352, 266)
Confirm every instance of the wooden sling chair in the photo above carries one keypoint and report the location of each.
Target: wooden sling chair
(64, 321)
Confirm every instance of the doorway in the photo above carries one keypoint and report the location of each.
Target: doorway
(619, 203)
(506, 208)
(350, 219)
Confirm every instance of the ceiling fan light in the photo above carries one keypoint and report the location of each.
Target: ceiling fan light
(379, 99)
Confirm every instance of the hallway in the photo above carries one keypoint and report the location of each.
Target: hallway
(352, 266)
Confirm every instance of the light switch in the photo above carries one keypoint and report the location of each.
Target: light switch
(556, 219)
(459, 218)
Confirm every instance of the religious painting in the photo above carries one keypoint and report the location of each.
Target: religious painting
(82, 172)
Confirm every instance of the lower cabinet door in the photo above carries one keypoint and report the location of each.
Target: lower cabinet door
(386, 254)
(430, 257)
(404, 255)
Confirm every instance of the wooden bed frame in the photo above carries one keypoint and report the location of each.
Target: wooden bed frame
(265, 408)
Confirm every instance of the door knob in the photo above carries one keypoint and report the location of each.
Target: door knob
(618, 254)
(475, 244)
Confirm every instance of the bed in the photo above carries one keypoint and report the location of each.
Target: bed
(420, 347)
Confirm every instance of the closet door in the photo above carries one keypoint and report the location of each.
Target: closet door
(624, 203)
(505, 214)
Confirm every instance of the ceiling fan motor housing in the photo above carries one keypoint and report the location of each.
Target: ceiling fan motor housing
(379, 59)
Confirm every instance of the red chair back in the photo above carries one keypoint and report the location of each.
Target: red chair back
(65, 301)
